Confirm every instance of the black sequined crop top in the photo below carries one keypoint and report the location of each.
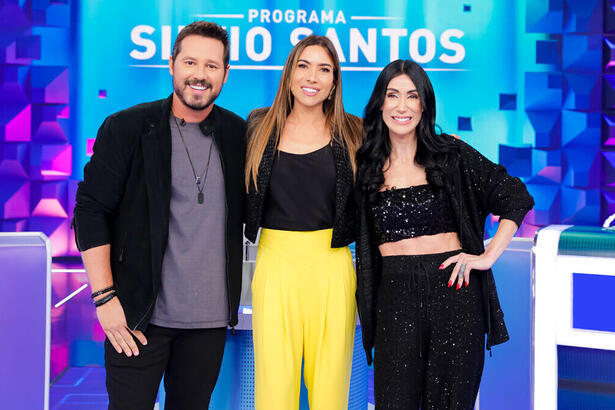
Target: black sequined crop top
(410, 212)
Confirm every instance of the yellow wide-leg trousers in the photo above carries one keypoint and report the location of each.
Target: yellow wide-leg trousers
(303, 301)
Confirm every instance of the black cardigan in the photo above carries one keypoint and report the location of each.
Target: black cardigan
(345, 210)
(125, 196)
(475, 187)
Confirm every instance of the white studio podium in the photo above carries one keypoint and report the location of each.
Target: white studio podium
(573, 310)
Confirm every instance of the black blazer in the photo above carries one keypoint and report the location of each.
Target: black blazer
(345, 210)
(125, 197)
(475, 187)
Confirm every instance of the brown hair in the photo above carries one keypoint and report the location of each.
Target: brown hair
(346, 129)
(204, 29)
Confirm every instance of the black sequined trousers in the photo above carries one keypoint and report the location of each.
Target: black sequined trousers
(430, 339)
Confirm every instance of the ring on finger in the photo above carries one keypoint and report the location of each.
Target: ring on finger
(462, 270)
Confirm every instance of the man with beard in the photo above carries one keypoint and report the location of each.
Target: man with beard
(158, 221)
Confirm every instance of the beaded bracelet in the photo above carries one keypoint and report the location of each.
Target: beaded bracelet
(102, 301)
(102, 291)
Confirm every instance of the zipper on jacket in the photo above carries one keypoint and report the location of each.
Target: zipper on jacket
(121, 256)
(145, 314)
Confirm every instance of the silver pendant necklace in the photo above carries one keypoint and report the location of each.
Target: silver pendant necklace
(200, 197)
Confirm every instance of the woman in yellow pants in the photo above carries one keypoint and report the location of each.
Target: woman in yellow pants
(299, 177)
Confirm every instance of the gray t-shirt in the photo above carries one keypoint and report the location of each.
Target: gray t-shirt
(193, 289)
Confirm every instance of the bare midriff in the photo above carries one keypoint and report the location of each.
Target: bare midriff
(422, 245)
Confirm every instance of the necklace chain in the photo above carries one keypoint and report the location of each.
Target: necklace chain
(200, 197)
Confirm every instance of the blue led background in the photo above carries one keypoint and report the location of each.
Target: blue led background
(531, 84)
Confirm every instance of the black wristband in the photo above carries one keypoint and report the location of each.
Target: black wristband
(102, 291)
(104, 300)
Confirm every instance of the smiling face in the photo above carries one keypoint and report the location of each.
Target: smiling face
(312, 79)
(402, 109)
(198, 72)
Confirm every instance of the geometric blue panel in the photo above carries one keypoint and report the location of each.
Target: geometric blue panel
(581, 128)
(592, 302)
(543, 91)
(547, 200)
(580, 206)
(548, 52)
(546, 166)
(464, 123)
(467, 8)
(518, 161)
(544, 16)
(582, 52)
(547, 126)
(508, 102)
(582, 92)
(583, 16)
(582, 167)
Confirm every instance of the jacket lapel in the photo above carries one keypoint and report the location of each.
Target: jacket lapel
(156, 147)
(343, 178)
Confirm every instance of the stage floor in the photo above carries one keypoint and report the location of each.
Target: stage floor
(83, 388)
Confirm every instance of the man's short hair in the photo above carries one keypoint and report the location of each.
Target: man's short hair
(204, 29)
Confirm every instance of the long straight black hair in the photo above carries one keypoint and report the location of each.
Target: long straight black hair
(432, 147)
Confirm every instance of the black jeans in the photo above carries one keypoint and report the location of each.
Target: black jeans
(430, 339)
(190, 360)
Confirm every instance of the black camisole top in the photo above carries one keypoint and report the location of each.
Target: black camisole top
(301, 194)
(410, 212)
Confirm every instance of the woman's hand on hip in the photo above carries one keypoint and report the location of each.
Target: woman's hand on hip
(464, 263)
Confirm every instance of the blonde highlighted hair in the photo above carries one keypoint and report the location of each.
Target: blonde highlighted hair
(345, 128)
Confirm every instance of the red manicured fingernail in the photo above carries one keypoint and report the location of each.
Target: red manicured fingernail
(441, 266)
(467, 284)
(458, 286)
(450, 283)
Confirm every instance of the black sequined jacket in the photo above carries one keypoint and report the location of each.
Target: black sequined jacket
(344, 220)
(475, 187)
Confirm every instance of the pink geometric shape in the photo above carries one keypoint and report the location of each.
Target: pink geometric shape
(49, 207)
(46, 123)
(65, 113)
(57, 91)
(49, 199)
(89, 146)
(50, 161)
(18, 129)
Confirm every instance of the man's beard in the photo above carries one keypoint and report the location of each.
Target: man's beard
(198, 106)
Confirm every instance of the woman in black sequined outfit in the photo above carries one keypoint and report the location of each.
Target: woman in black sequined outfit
(425, 291)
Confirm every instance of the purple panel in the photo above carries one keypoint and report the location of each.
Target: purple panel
(14, 199)
(608, 169)
(607, 203)
(49, 199)
(14, 160)
(56, 229)
(24, 307)
(45, 125)
(50, 161)
(18, 129)
(608, 130)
